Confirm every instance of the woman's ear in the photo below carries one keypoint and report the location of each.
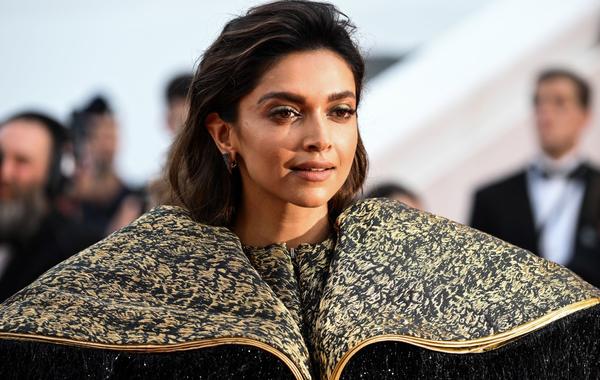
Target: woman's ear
(221, 132)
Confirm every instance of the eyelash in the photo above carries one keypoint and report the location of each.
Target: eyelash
(285, 113)
(347, 112)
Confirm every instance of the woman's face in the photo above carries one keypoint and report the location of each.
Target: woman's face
(296, 132)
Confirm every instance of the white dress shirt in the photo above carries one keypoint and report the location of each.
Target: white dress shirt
(556, 202)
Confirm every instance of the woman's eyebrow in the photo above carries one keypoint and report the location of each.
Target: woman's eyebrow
(341, 95)
(295, 98)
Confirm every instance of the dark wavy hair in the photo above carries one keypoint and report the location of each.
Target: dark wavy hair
(229, 70)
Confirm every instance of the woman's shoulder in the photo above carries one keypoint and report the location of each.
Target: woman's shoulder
(147, 262)
(163, 229)
(392, 228)
(165, 282)
(416, 249)
(382, 218)
(173, 220)
(385, 212)
(162, 238)
(387, 218)
(154, 247)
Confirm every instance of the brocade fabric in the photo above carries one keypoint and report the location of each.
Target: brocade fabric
(389, 274)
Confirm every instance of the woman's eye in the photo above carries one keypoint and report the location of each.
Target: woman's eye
(343, 112)
(284, 113)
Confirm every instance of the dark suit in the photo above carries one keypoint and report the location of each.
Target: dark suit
(503, 209)
(56, 239)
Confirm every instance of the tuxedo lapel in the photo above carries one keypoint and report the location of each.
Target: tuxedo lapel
(586, 260)
(523, 211)
(589, 214)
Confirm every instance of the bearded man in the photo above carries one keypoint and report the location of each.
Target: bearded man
(34, 236)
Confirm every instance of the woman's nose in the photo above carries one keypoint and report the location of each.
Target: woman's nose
(317, 135)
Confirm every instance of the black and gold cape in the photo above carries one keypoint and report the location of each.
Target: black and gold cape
(394, 293)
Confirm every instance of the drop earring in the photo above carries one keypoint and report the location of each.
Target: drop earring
(229, 163)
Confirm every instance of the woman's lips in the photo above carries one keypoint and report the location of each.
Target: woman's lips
(314, 170)
(314, 174)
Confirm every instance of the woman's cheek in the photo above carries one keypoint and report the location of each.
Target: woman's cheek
(349, 148)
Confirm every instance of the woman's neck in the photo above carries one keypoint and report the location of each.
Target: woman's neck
(278, 222)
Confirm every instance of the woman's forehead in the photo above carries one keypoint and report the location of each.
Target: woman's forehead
(316, 75)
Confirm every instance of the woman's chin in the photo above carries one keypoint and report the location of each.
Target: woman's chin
(311, 200)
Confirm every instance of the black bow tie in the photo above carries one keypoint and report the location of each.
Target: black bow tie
(578, 173)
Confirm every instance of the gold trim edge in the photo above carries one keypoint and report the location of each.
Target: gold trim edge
(478, 345)
(159, 348)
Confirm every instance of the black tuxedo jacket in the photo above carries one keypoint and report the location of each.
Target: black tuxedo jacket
(503, 209)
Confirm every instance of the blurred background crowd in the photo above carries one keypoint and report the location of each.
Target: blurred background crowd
(482, 111)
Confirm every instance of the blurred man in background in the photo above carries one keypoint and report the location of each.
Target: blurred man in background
(178, 107)
(177, 103)
(106, 203)
(553, 207)
(34, 236)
